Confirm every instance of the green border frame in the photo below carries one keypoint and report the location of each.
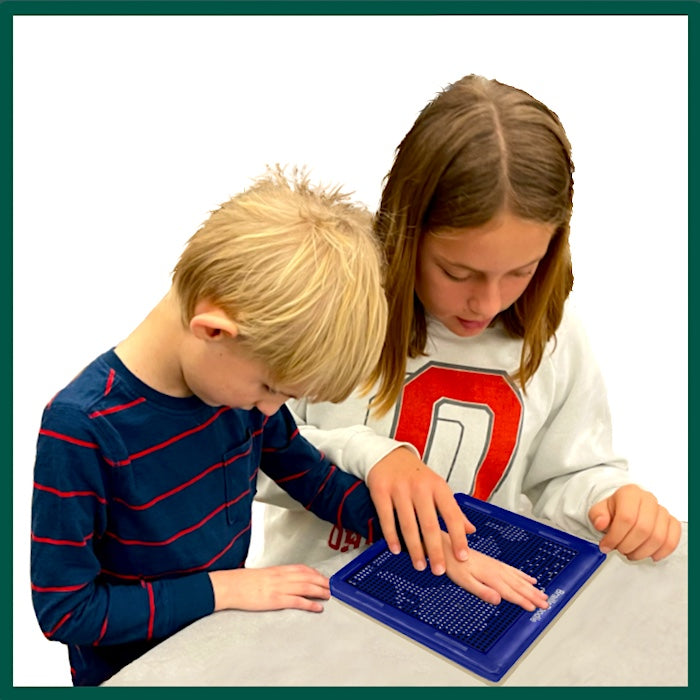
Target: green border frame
(11, 8)
(348, 7)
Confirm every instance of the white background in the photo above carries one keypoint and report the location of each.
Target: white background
(129, 130)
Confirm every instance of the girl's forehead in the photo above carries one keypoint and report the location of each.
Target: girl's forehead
(507, 242)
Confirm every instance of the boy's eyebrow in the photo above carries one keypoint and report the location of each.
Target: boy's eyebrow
(462, 266)
(284, 393)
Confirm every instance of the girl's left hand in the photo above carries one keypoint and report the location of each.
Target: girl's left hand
(635, 524)
(493, 580)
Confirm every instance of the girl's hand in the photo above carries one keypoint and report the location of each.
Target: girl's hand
(401, 482)
(272, 588)
(635, 524)
(493, 581)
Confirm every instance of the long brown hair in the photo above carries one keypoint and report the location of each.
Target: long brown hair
(478, 149)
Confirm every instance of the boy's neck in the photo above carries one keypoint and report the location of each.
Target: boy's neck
(152, 351)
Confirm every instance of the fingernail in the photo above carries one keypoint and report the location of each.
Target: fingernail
(463, 555)
(395, 549)
(439, 570)
(419, 565)
(605, 550)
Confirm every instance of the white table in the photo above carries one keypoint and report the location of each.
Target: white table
(628, 626)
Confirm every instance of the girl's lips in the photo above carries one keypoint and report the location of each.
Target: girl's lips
(473, 325)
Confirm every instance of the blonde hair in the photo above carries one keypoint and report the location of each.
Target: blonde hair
(299, 271)
(478, 149)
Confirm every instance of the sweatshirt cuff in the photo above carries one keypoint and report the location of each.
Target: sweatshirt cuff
(369, 451)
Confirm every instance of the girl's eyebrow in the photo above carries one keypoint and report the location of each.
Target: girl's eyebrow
(461, 266)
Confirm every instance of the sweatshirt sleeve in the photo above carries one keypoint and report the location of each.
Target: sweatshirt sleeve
(310, 478)
(356, 448)
(75, 599)
(573, 464)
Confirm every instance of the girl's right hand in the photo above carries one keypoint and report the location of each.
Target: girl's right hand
(403, 487)
(272, 588)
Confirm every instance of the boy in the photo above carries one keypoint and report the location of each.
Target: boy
(147, 461)
(145, 475)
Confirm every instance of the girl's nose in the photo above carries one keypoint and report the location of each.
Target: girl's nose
(485, 299)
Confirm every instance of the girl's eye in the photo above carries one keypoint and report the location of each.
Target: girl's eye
(453, 277)
(525, 273)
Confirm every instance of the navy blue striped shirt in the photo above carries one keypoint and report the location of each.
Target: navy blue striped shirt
(137, 495)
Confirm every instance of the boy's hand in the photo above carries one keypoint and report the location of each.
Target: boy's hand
(493, 581)
(635, 524)
(272, 588)
(401, 482)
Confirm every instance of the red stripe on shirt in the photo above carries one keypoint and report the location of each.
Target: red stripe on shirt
(151, 610)
(58, 589)
(183, 486)
(291, 477)
(182, 533)
(191, 570)
(322, 486)
(120, 463)
(69, 494)
(110, 381)
(275, 449)
(70, 543)
(342, 503)
(68, 438)
(51, 633)
(170, 441)
(114, 409)
(180, 436)
(215, 557)
(103, 631)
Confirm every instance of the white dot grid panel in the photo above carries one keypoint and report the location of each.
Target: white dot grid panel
(438, 602)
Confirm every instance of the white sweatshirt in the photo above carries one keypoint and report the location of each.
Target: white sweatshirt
(474, 426)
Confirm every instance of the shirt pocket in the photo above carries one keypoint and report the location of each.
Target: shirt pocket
(240, 468)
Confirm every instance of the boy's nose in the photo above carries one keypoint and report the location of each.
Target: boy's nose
(269, 406)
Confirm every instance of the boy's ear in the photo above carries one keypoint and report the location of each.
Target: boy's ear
(211, 323)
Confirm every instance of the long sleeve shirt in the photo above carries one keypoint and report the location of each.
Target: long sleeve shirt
(138, 495)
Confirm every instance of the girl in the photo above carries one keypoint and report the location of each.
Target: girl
(485, 375)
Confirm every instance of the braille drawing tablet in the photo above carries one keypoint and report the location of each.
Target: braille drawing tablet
(487, 639)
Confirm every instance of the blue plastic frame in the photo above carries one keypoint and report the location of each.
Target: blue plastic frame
(520, 633)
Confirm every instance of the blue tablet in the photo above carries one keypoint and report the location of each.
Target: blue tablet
(487, 639)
